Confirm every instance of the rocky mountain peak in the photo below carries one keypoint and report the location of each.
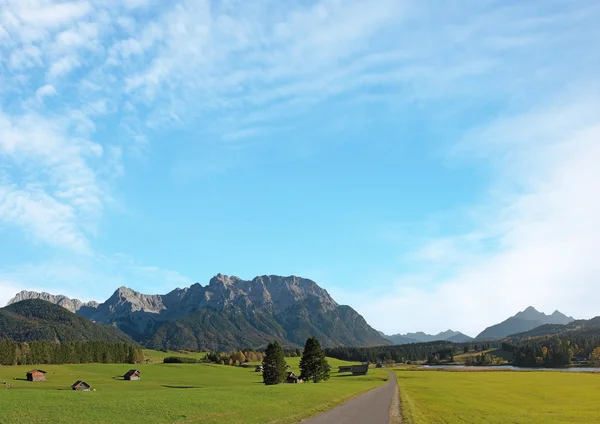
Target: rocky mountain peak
(72, 305)
(126, 299)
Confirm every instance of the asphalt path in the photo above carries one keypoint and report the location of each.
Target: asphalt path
(372, 407)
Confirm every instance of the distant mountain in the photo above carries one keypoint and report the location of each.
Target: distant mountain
(525, 320)
(581, 327)
(229, 313)
(35, 319)
(72, 305)
(420, 337)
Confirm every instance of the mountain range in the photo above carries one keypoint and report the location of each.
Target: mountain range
(421, 337)
(226, 314)
(525, 320)
(230, 313)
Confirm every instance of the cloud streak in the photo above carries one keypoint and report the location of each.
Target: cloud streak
(532, 242)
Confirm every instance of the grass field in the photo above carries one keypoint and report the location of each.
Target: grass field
(432, 397)
(170, 393)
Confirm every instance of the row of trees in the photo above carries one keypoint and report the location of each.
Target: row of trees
(556, 351)
(313, 364)
(483, 360)
(396, 353)
(443, 355)
(234, 358)
(41, 352)
(240, 357)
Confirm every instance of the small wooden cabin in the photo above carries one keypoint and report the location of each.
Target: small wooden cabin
(345, 368)
(81, 385)
(132, 375)
(36, 375)
(361, 369)
(292, 378)
(259, 368)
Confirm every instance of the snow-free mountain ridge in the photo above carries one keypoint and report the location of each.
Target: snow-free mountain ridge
(421, 337)
(227, 313)
(525, 320)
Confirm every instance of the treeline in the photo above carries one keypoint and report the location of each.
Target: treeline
(483, 359)
(243, 356)
(182, 360)
(396, 353)
(443, 355)
(432, 352)
(555, 351)
(39, 352)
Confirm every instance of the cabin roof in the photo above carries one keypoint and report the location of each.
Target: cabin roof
(79, 383)
(132, 372)
(36, 370)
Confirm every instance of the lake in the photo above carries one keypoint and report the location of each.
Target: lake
(508, 367)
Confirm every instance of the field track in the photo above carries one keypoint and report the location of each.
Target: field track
(372, 407)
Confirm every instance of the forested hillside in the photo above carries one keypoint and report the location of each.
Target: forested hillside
(38, 320)
(38, 353)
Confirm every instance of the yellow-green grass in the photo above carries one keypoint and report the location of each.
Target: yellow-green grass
(432, 397)
(171, 393)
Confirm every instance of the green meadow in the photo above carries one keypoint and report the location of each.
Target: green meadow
(452, 397)
(171, 393)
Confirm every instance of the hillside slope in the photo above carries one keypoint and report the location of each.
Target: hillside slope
(36, 319)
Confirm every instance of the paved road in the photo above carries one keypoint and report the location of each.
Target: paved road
(372, 407)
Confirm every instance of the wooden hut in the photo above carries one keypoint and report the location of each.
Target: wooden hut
(81, 385)
(259, 368)
(292, 378)
(345, 368)
(36, 375)
(361, 369)
(132, 375)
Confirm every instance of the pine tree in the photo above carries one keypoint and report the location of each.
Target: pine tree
(313, 364)
(274, 364)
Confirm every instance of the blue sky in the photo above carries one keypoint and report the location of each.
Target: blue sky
(432, 164)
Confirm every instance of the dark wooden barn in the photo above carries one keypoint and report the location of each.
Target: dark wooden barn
(132, 375)
(345, 368)
(292, 378)
(81, 385)
(36, 375)
(361, 369)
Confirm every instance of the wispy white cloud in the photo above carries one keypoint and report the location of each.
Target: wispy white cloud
(45, 91)
(60, 192)
(536, 242)
(239, 69)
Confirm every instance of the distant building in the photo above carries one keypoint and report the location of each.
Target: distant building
(81, 385)
(345, 368)
(259, 368)
(36, 375)
(361, 369)
(292, 378)
(132, 375)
